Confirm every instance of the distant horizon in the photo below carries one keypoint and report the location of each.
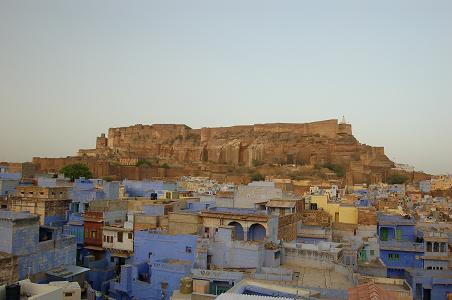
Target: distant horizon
(70, 70)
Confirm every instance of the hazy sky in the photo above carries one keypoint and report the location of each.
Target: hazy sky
(69, 70)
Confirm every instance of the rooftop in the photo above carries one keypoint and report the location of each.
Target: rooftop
(281, 203)
(262, 287)
(235, 211)
(16, 216)
(395, 219)
(67, 271)
(370, 291)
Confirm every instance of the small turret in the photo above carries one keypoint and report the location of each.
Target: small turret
(344, 128)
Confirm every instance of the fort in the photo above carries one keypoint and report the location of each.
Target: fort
(224, 148)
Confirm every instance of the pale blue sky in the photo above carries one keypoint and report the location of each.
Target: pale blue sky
(69, 70)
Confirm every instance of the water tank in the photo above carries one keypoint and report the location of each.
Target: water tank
(186, 285)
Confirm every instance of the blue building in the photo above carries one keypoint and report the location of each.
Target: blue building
(159, 263)
(6, 175)
(20, 236)
(135, 188)
(434, 279)
(8, 186)
(400, 246)
(132, 284)
(8, 182)
(425, 186)
(100, 272)
(86, 190)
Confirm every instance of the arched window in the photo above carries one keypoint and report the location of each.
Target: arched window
(256, 232)
(237, 233)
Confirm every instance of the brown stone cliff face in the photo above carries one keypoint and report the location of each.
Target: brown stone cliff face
(310, 143)
(306, 144)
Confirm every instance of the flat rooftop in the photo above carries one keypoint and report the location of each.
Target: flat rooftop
(235, 211)
(15, 216)
(67, 271)
(268, 288)
(320, 278)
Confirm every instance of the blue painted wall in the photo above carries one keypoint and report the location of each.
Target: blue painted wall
(8, 186)
(15, 176)
(406, 259)
(101, 271)
(158, 246)
(84, 191)
(425, 186)
(135, 188)
(130, 287)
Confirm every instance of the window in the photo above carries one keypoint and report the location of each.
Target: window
(120, 236)
(188, 249)
(435, 247)
(398, 234)
(130, 235)
(394, 256)
(112, 259)
(372, 252)
(443, 247)
(93, 234)
(67, 294)
(105, 238)
(429, 246)
(150, 254)
(41, 193)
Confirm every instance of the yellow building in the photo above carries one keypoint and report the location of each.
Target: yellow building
(339, 212)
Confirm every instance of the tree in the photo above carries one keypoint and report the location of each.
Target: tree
(75, 171)
(338, 169)
(396, 179)
(257, 177)
(144, 163)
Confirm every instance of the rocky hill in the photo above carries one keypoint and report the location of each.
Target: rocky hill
(323, 143)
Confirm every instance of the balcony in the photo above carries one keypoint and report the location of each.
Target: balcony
(402, 246)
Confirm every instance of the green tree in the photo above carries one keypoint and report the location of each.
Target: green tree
(396, 179)
(257, 177)
(75, 171)
(338, 169)
(144, 163)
